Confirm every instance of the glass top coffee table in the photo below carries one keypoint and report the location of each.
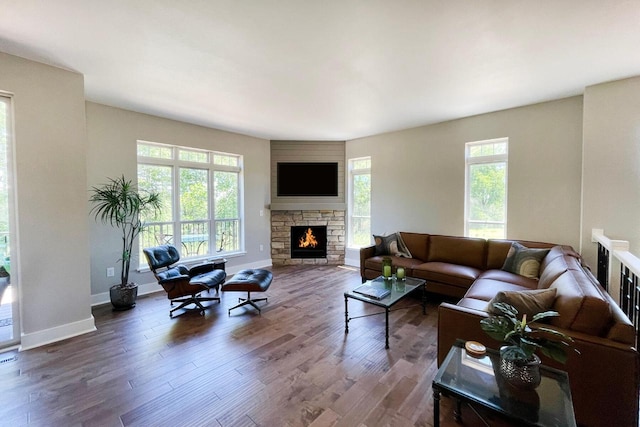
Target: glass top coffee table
(395, 289)
(475, 380)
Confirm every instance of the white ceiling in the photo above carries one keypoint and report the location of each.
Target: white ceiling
(330, 69)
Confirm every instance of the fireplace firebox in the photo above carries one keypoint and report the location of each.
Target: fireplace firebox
(309, 241)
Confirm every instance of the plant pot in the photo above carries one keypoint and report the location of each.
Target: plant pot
(123, 297)
(521, 374)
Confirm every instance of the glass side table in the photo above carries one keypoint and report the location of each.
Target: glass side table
(476, 380)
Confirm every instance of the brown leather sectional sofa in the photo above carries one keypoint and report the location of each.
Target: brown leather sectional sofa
(604, 377)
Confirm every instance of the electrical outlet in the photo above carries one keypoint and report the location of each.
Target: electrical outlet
(261, 214)
(111, 272)
(261, 248)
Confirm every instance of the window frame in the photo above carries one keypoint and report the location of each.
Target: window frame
(176, 164)
(480, 160)
(12, 238)
(353, 172)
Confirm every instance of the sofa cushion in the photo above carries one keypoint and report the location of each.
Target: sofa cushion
(582, 304)
(505, 276)
(621, 329)
(375, 263)
(551, 270)
(560, 250)
(457, 250)
(554, 253)
(524, 261)
(391, 245)
(417, 244)
(486, 289)
(472, 303)
(527, 302)
(452, 274)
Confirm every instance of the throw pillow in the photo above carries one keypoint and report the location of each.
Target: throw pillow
(524, 261)
(391, 245)
(526, 302)
(403, 250)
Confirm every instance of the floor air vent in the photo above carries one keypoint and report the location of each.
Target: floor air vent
(7, 358)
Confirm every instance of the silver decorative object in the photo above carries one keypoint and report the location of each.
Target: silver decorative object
(523, 375)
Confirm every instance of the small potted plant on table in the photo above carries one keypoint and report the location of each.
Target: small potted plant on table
(519, 364)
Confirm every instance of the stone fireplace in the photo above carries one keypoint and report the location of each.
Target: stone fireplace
(309, 203)
(289, 226)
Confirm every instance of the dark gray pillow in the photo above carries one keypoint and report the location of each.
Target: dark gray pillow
(391, 245)
(524, 261)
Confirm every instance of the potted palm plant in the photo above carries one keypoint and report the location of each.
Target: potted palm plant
(120, 204)
(519, 363)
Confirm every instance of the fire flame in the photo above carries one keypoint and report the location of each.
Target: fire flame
(308, 240)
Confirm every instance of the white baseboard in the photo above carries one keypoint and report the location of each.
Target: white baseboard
(59, 333)
(258, 264)
(143, 289)
(353, 262)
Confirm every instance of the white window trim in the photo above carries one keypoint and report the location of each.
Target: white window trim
(12, 197)
(175, 163)
(352, 173)
(476, 160)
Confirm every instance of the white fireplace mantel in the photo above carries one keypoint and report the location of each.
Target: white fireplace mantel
(307, 206)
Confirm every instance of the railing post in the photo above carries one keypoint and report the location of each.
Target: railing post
(628, 291)
(603, 266)
(606, 274)
(630, 297)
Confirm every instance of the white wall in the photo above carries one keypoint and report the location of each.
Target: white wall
(113, 133)
(53, 241)
(611, 175)
(418, 174)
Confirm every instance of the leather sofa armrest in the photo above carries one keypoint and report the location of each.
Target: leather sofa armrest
(463, 323)
(610, 371)
(365, 253)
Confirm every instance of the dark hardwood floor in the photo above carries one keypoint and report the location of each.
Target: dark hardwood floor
(291, 366)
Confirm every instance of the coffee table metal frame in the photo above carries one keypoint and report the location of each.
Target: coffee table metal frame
(410, 285)
(475, 381)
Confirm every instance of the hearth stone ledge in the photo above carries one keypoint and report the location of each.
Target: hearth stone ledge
(283, 220)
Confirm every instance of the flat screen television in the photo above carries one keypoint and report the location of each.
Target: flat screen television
(307, 179)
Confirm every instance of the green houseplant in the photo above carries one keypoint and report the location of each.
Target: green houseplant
(518, 360)
(120, 204)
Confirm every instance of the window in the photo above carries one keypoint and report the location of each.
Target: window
(200, 192)
(10, 324)
(486, 189)
(360, 203)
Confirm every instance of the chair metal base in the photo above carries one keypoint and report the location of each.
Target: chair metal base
(248, 301)
(195, 299)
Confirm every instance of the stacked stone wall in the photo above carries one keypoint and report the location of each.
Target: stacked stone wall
(281, 223)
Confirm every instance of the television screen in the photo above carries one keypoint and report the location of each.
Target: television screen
(307, 179)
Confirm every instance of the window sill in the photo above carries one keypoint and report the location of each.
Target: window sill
(193, 261)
